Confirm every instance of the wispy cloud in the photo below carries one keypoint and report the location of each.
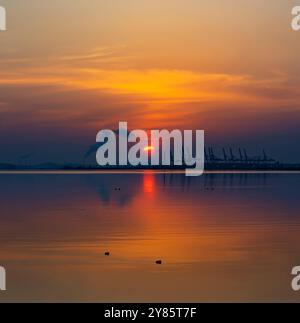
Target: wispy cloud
(152, 95)
(102, 57)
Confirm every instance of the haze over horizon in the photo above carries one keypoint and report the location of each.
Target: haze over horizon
(71, 68)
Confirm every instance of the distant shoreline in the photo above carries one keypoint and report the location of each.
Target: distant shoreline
(210, 167)
(138, 171)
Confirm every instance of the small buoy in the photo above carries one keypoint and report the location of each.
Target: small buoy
(158, 262)
(107, 253)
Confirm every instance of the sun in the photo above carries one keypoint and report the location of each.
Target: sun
(148, 148)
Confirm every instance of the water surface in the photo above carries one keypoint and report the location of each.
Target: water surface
(221, 237)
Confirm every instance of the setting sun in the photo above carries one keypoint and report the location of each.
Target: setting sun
(149, 148)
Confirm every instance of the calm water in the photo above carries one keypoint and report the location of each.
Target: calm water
(221, 237)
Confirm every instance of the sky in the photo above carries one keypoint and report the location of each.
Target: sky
(69, 68)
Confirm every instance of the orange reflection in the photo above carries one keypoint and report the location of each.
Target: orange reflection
(149, 183)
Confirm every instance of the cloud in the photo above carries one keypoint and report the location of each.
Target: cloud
(72, 87)
(106, 69)
(97, 57)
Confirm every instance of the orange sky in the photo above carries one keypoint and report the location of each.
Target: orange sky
(215, 65)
